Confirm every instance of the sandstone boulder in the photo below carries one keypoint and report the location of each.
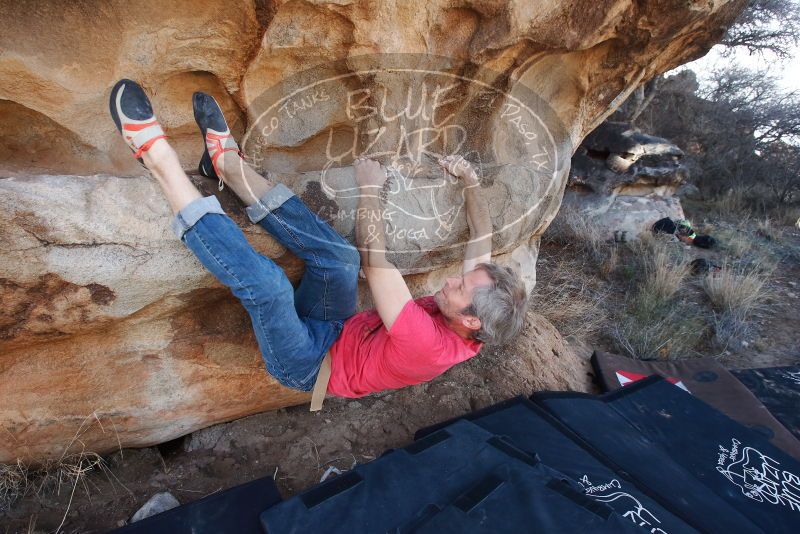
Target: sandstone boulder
(623, 180)
(106, 317)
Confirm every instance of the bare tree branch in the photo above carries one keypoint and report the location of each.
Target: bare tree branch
(766, 26)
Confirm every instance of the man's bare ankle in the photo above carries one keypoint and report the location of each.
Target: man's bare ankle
(157, 155)
(230, 163)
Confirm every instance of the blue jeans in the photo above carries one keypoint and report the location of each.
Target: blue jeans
(294, 327)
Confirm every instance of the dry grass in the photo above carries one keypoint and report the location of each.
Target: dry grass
(734, 295)
(665, 332)
(661, 266)
(736, 240)
(58, 475)
(739, 245)
(768, 230)
(14, 483)
(728, 329)
(740, 203)
(663, 276)
(736, 291)
(54, 476)
(656, 322)
(788, 216)
(568, 301)
(575, 230)
(734, 202)
(663, 312)
(609, 262)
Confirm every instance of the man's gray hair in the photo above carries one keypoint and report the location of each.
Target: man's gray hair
(501, 307)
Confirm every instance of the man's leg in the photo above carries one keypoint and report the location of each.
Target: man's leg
(291, 347)
(327, 291)
(248, 185)
(162, 162)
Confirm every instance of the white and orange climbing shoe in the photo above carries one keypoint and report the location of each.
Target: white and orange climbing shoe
(132, 113)
(216, 135)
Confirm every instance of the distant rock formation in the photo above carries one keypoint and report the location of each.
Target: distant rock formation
(623, 181)
(107, 317)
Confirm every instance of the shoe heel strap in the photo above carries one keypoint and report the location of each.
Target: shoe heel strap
(137, 135)
(215, 141)
(219, 143)
(218, 153)
(146, 146)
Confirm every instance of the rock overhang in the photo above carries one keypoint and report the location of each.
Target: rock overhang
(74, 239)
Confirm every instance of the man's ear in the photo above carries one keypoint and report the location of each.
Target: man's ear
(471, 322)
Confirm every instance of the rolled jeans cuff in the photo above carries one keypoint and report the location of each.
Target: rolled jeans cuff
(193, 212)
(271, 200)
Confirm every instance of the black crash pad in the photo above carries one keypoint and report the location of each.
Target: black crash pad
(233, 511)
(712, 383)
(515, 498)
(778, 388)
(385, 494)
(532, 429)
(683, 447)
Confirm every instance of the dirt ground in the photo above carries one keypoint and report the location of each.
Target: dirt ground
(297, 447)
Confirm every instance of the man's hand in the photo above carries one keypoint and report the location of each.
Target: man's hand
(461, 168)
(369, 173)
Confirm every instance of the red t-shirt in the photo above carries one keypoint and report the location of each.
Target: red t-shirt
(420, 346)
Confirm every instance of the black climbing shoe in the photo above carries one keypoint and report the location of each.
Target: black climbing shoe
(216, 134)
(132, 113)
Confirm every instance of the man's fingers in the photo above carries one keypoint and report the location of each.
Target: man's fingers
(362, 161)
(448, 163)
(454, 159)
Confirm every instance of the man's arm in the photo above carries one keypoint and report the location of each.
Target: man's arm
(389, 291)
(479, 247)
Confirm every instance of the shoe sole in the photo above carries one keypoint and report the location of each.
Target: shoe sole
(127, 97)
(207, 114)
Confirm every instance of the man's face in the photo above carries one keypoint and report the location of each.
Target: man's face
(457, 291)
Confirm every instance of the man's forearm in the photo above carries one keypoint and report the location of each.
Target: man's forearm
(479, 221)
(370, 231)
(478, 217)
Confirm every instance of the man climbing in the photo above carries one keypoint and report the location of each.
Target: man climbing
(401, 342)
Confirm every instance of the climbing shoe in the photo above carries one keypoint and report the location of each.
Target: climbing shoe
(132, 113)
(216, 134)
